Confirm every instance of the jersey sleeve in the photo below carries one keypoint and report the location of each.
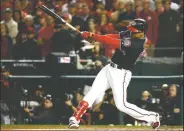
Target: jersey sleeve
(117, 36)
(123, 34)
(113, 42)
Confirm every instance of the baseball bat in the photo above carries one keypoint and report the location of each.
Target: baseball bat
(55, 16)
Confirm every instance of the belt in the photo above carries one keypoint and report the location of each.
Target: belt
(116, 66)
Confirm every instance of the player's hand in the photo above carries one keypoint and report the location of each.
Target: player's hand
(68, 103)
(26, 110)
(86, 35)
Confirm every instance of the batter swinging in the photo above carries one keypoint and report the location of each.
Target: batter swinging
(117, 74)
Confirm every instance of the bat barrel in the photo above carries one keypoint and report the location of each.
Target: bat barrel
(51, 13)
(57, 17)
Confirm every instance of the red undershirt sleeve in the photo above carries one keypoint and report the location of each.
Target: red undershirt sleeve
(104, 39)
(117, 36)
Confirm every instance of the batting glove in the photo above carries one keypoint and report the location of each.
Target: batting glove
(86, 35)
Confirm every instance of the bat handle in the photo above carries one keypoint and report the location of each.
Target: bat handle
(73, 28)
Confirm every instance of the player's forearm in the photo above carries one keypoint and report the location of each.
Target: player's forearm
(107, 40)
(117, 36)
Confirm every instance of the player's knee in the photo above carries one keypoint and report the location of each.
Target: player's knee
(121, 107)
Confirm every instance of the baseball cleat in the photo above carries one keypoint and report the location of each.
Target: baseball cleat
(73, 123)
(73, 126)
(156, 124)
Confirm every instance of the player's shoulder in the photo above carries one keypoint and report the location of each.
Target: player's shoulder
(124, 33)
(139, 42)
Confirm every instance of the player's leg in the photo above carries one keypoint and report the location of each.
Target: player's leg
(99, 86)
(119, 82)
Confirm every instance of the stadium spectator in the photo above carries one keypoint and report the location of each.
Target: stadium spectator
(5, 4)
(145, 102)
(12, 25)
(66, 109)
(72, 8)
(23, 29)
(106, 27)
(138, 7)
(44, 114)
(165, 90)
(70, 105)
(37, 29)
(59, 2)
(152, 20)
(126, 17)
(77, 23)
(152, 4)
(30, 7)
(98, 59)
(30, 47)
(168, 29)
(77, 14)
(44, 35)
(38, 94)
(5, 73)
(99, 8)
(58, 10)
(78, 96)
(50, 21)
(78, 9)
(92, 26)
(63, 40)
(100, 119)
(21, 5)
(17, 17)
(97, 113)
(98, 54)
(26, 35)
(5, 113)
(49, 4)
(6, 42)
(68, 18)
(159, 7)
(85, 15)
(172, 106)
(119, 8)
(109, 108)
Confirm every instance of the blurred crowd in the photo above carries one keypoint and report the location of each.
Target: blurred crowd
(38, 106)
(166, 100)
(33, 103)
(29, 33)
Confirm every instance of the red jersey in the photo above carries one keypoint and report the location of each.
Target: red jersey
(45, 34)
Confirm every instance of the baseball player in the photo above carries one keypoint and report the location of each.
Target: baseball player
(117, 74)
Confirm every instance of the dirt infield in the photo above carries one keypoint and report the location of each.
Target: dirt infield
(85, 128)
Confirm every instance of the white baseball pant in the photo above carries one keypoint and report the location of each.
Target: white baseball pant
(118, 80)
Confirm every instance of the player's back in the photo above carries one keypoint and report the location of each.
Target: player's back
(129, 52)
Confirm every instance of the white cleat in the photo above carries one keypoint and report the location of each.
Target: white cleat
(73, 123)
(73, 126)
(156, 124)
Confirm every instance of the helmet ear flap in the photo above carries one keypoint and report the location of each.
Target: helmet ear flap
(140, 25)
(132, 29)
